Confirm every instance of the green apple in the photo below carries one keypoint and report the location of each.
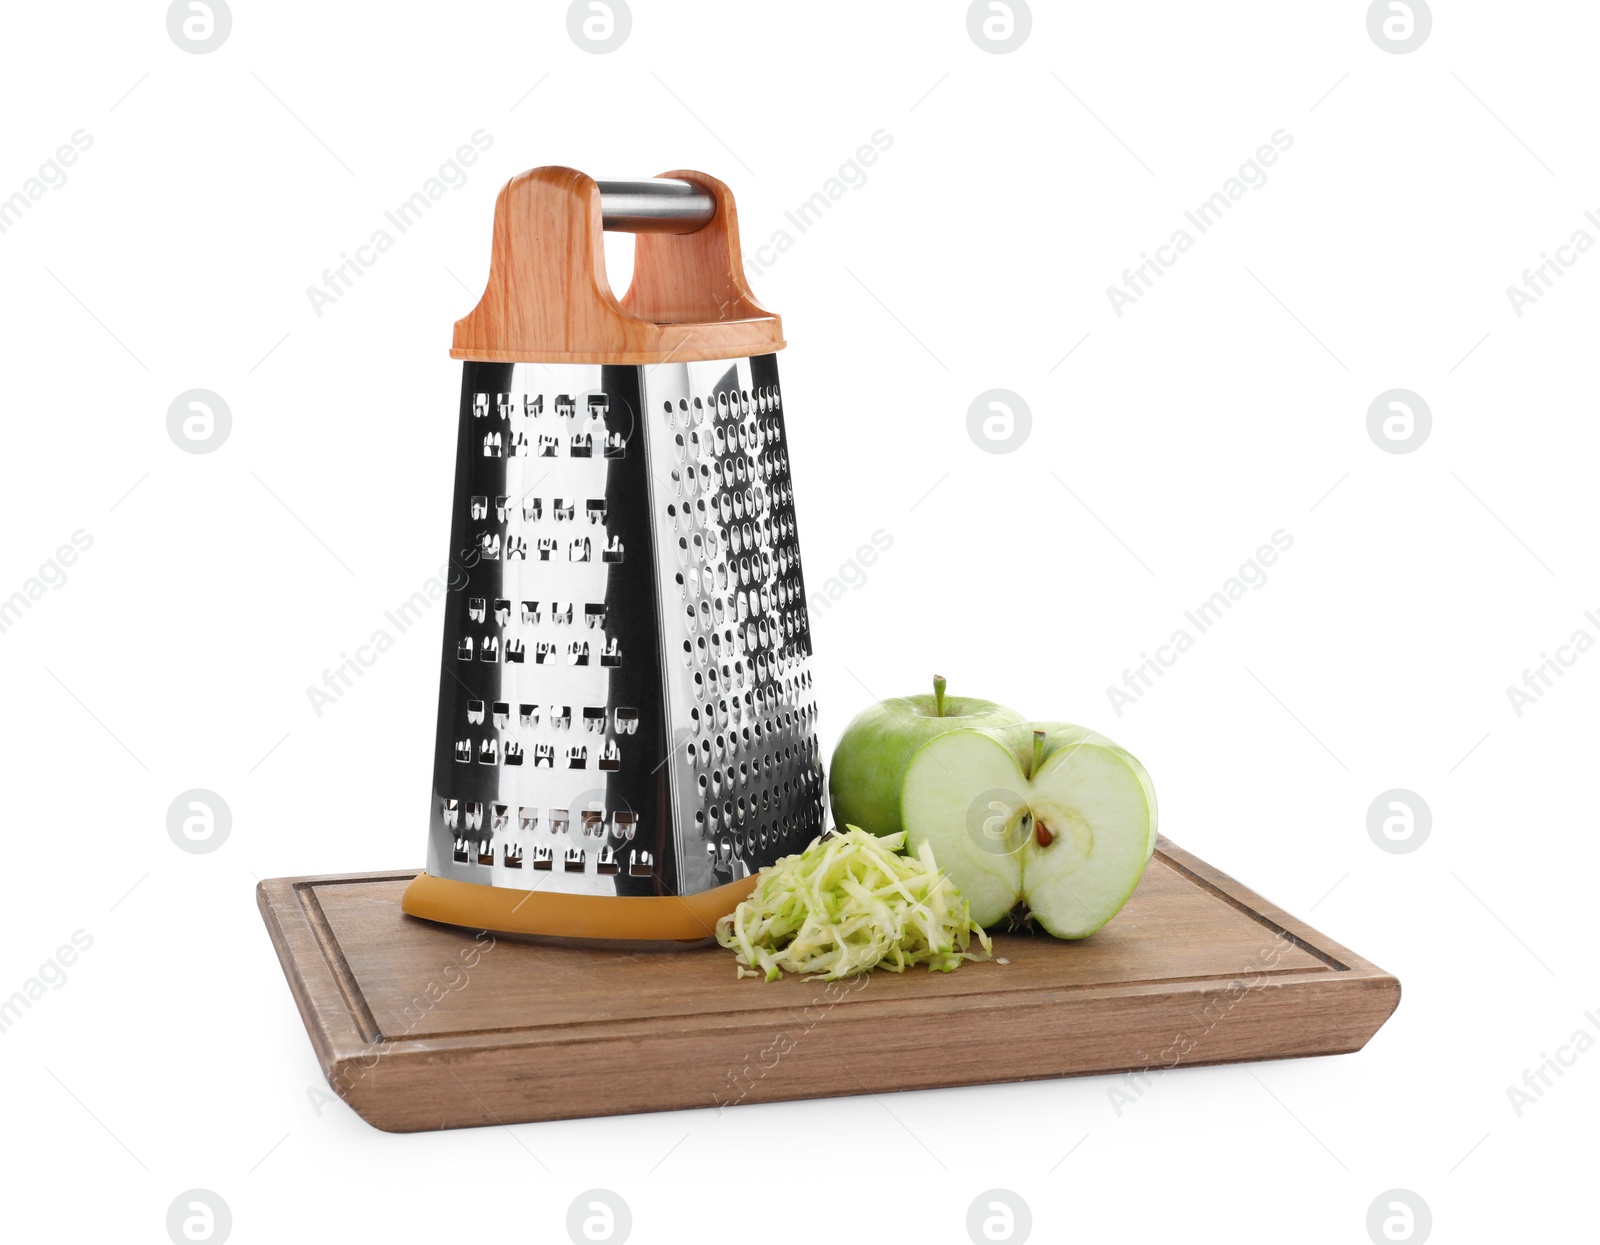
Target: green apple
(1044, 814)
(869, 763)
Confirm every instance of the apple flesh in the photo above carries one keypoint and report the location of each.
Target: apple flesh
(1044, 814)
(869, 763)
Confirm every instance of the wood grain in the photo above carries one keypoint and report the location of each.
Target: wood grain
(548, 299)
(421, 1026)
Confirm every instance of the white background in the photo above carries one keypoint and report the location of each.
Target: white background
(1224, 405)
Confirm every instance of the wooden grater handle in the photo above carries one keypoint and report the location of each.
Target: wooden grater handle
(548, 299)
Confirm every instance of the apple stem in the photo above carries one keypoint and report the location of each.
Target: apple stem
(1038, 752)
(938, 695)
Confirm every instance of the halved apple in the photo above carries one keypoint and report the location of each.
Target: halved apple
(1049, 815)
(869, 764)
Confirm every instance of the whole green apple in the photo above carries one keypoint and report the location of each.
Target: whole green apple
(869, 763)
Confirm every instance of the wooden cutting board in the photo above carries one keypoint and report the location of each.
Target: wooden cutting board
(421, 1026)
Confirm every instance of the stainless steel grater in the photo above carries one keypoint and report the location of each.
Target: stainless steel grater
(626, 715)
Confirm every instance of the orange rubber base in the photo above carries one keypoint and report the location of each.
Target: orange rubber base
(666, 917)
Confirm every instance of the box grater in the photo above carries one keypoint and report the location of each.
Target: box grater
(626, 714)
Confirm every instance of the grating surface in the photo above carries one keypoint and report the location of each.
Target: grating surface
(625, 700)
(747, 778)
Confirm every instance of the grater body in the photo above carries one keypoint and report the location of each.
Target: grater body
(625, 699)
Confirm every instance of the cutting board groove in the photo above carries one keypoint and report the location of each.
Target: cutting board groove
(422, 1026)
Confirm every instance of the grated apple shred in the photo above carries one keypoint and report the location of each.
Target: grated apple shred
(847, 904)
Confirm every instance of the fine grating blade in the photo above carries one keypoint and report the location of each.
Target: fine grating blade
(625, 700)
